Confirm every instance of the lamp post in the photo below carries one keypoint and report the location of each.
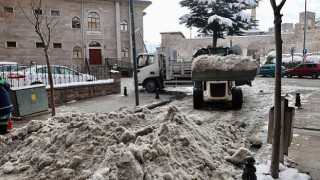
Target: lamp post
(304, 32)
(134, 54)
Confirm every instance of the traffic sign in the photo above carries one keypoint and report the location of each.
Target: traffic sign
(304, 52)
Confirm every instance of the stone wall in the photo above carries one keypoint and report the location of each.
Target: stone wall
(245, 45)
(70, 93)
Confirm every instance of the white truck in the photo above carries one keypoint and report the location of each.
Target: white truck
(162, 69)
(215, 78)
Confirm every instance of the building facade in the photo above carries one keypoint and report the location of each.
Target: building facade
(251, 44)
(86, 31)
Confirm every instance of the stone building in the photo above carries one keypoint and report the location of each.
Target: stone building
(87, 31)
(258, 45)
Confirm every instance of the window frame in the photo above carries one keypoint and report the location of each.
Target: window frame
(5, 10)
(125, 52)
(54, 45)
(94, 23)
(74, 20)
(124, 25)
(39, 45)
(54, 10)
(78, 51)
(38, 12)
(15, 42)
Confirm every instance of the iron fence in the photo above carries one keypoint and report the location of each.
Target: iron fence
(24, 75)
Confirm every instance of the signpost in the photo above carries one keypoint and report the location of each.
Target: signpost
(291, 50)
(304, 55)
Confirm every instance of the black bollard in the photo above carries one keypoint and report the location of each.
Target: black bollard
(157, 94)
(125, 91)
(298, 100)
(249, 171)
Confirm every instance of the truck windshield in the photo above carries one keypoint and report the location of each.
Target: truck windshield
(145, 60)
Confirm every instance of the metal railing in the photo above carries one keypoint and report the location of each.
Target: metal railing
(24, 75)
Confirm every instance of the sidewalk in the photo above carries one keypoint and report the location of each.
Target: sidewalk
(306, 137)
(103, 104)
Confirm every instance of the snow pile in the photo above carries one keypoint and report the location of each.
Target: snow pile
(285, 173)
(159, 144)
(231, 62)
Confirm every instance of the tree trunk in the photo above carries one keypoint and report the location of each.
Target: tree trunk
(277, 98)
(53, 103)
(214, 39)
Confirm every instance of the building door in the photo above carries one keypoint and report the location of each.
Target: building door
(95, 56)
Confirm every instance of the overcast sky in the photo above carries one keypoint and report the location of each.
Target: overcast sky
(163, 16)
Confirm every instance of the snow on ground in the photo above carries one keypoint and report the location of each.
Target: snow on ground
(169, 142)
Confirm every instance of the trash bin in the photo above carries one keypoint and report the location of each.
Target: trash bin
(29, 100)
(288, 124)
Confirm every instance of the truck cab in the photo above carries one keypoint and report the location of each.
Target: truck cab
(162, 69)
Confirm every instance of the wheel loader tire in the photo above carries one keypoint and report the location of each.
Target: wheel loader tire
(237, 98)
(197, 95)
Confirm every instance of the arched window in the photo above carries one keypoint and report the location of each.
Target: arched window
(76, 22)
(124, 25)
(94, 44)
(125, 53)
(93, 21)
(77, 52)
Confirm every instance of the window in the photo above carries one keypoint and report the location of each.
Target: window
(124, 25)
(145, 60)
(309, 65)
(55, 13)
(39, 45)
(11, 44)
(38, 12)
(57, 45)
(8, 10)
(77, 52)
(94, 44)
(93, 21)
(125, 53)
(76, 22)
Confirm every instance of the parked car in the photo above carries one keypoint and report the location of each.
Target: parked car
(269, 70)
(305, 69)
(38, 74)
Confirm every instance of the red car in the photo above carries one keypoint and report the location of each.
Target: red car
(306, 69)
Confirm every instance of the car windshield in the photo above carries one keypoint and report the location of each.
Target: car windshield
(9, 68)
(145, 60)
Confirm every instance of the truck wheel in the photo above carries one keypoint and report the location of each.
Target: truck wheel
(314, 75)
(237, 97)
(150, 86)
(197, 95)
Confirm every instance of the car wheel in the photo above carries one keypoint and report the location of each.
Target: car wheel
(197, 95)
(150, 86)
(289, 75)
(237, 97)
(314, 75)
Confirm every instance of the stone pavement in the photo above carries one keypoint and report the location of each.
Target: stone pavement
(305, 146)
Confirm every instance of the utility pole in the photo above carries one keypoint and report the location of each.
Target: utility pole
(304, 32)
(134, 54)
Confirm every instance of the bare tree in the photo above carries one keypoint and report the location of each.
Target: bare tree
(277, 94)
(44, 25)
